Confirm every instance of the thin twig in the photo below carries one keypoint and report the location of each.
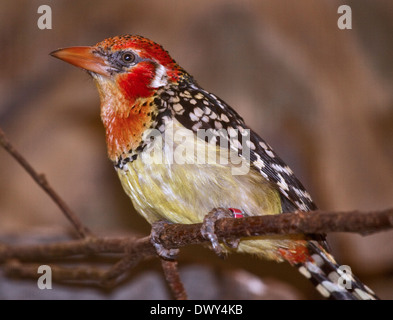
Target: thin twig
(172, 277)
(16, 269)
(72, 248)
(135, 251)
(41, 180)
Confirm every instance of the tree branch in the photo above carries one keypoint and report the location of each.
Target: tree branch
(179, 235)
(172, 277)
(41, 180)
(313, 222)
(133, 250)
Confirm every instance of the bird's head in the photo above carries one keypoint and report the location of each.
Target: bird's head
(136, 65)
(127, 70)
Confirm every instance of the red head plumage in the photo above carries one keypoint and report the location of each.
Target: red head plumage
(128, 70)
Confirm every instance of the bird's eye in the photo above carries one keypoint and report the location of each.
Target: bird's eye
(127, 57)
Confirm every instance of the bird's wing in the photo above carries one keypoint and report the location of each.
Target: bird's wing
(198, 109)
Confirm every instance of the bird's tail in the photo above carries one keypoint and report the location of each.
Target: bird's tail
(330, 279)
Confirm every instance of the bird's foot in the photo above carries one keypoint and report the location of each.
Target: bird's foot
(156, 230)
(208, 228)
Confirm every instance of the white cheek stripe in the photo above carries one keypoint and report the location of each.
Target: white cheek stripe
(161, 77)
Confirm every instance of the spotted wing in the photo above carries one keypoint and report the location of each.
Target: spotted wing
(197, 109)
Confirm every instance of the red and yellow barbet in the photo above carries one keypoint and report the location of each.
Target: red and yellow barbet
(144, 91)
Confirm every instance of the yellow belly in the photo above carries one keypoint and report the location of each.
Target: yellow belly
(162, 189)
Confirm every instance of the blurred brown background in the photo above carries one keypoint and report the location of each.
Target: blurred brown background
(320, 95)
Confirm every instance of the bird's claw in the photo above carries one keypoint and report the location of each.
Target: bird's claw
(208, 230)
(156, 231)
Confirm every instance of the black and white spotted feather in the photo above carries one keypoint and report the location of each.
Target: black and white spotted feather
(198, 109)
(324, 272)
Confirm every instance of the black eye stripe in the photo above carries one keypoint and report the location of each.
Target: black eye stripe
(121, 60)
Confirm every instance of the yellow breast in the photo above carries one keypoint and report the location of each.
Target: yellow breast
(170, 182)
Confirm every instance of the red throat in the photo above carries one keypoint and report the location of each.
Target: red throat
(124, 130)
(127, 111)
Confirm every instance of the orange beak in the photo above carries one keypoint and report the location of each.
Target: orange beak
(83, 57)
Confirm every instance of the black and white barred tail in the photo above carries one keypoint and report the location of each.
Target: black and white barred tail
(330, 279)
